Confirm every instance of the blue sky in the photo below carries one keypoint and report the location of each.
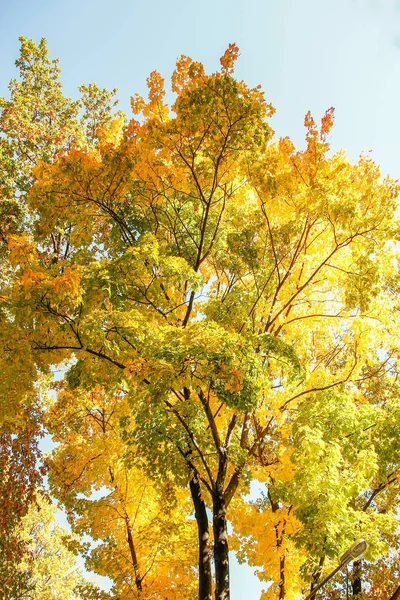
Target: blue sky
(306, 54)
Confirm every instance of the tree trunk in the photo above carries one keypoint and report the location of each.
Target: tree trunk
(356, 578)
(282, 589)
(221, 549)
(205, 580)
(138, 579)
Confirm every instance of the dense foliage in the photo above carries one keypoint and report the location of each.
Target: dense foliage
(224, 310)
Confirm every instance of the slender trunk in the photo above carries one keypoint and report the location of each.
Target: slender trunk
(279, 535)
(205, 580)
(282, 589)
(138, 579)
(221, 549)
(356, 579)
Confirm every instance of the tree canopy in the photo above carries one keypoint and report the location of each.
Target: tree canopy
(224, 310)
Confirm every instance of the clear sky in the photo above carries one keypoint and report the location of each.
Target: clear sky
(306, 54)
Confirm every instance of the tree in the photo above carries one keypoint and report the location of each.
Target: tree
(143, 540)
(225, 308)
(48, 564)
(19, 481)
(35, 123)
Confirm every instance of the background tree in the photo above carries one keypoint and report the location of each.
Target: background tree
(49, 564)
(35, 124)
(19, 482)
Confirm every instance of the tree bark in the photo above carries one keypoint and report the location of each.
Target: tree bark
(205, 579)
(282, 589)
(279, 539)
(138, 579)
(221, 549)
(356, 578)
